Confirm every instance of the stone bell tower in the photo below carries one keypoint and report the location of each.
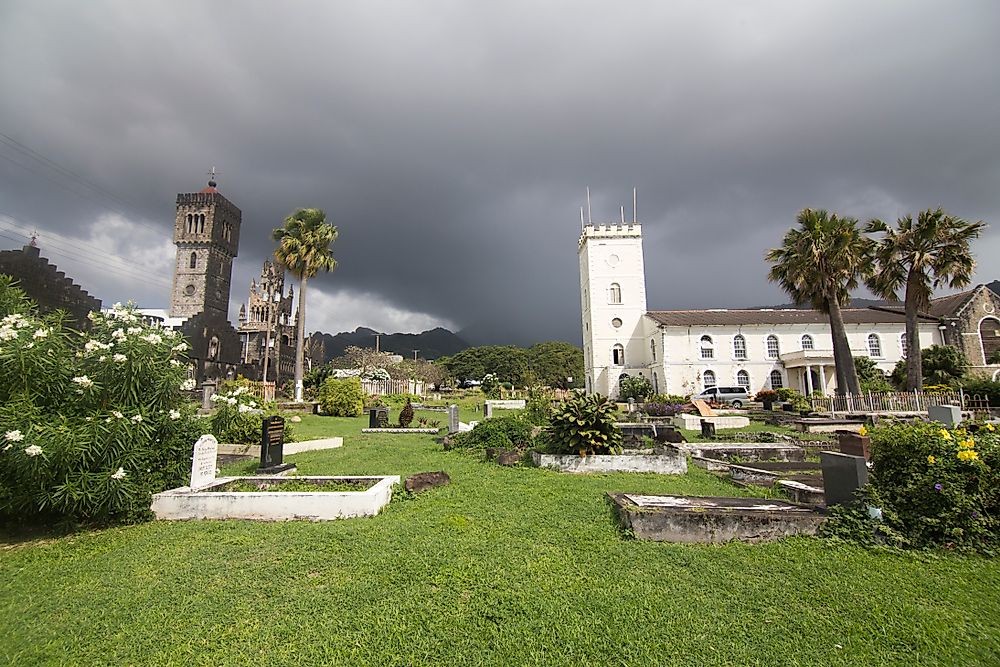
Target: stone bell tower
(207, 236)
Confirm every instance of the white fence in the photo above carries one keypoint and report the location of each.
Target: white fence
(262, 390)
(386, 387)
(899, 401)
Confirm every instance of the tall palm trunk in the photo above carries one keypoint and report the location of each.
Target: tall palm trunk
(300, 343)
(843, 360)
(914, 362)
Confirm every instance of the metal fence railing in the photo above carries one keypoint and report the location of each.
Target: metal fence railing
(899, 401)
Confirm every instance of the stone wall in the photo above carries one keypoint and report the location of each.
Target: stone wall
(50, 288)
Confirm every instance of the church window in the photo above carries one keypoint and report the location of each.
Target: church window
(189, 290)
(616, 323)
(618, 355)
(743, 379)
(772, 347)
(807, 342)
(615, 293)
(874, 346)
(707, 347)
(194, 260)
(776, 382)
(190, 221)
(739, 346)
(708, 379)
(652, 349)
(201, 223)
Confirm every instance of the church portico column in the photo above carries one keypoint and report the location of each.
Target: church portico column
(809, 380)
(822, 378)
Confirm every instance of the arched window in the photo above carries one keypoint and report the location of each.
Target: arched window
(743, 379)
(708, 379)
(775, 378)
(652, 348)
(902, 343)
(739, 346)
(615, 293)
(618, 355)
(874, 346)
(201, 223)
(656, 386)
(194, 260)
(707, 347)
(989, 338)
(772, 347)
(807, 342)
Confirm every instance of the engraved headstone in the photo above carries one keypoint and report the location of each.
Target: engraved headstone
(487, 410)
(207, 391)
(707, 429)
(843, 475)
(452, 419)
(949, 415)
(206, 449)
(272, 443)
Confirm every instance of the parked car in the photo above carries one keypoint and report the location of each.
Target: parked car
(735, 396)
(466, 384)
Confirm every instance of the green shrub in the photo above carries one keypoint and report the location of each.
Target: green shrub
(798, 401)
(584, 425)
(491, 386)
(507, 432)
(90, 424)
(636, 388)
(937, 487)
(669, 399)
(342, 398)
(239, 418)
(538, 406)
(406, 415)
(766, 396)
(984, 388)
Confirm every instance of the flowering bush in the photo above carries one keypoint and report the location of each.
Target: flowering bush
(665, 409)
(491, 386)
(92, 424)
(937, 487)
(239, 416)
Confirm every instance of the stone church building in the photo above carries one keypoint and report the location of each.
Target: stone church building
(685, 351)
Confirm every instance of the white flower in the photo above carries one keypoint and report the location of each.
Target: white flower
(33, 450)
(137, 418)
(92, 315)
(120, 474)
(118, 334)
(245, 408)
(175, 414)
(252, 404)
(7, 333)
(9, 445)
(84, 381)
(88, 419)
(180, 347)
(169, 333)
(153, 338)
(40, 333)
(174, 362)
(131, 331)
(231, 401)
(30, 345)
(102, 358)
(14, 436)
(188, 385)
(117, 306)
(117, 415)
(120, 358)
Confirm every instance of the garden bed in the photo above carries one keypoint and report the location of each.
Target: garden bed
(221, 500)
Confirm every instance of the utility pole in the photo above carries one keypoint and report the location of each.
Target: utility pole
(377, 336)
(415, 354)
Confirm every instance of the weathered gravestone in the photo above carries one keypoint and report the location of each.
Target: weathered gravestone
(272, 443)
(843, 475)
(707, 429)
(453, 419)
(949, 415)
(206, 449)
(487, 410)
(378, 417)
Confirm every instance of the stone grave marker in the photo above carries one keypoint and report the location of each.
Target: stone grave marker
(453, 419)
(707, 429)
(206, 449)
(843, 474)
(272, 443)
(949, 415)
(487, 410)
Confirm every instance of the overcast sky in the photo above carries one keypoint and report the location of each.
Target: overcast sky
(452, 142)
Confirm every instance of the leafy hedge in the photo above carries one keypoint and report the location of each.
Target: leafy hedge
(342, 398)
(506, 431)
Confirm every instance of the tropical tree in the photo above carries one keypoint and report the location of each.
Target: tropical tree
(921, 256)
(819, 263)
(304, 249)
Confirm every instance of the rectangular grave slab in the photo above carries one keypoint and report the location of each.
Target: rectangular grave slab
(666, 460)
(700, 519)
(746, 451)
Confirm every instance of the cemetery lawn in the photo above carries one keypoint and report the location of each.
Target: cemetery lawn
(504, 566)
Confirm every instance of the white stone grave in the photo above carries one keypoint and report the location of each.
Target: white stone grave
(206, 450)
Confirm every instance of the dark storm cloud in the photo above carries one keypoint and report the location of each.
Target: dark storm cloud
(451, 142)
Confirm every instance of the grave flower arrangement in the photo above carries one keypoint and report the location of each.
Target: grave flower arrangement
(938, 486)
(92, 424)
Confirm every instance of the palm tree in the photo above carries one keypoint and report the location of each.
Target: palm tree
(819, 263)
(304, 249)
(921, 255)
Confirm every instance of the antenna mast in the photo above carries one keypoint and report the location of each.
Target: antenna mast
(590, 219)
(634, 210)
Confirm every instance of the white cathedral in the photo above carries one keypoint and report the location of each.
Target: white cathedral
(685, 351)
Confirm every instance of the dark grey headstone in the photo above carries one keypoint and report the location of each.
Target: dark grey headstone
(843, 475)
(707, 429)
(272, 444)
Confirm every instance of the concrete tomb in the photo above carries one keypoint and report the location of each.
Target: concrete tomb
(843, 474)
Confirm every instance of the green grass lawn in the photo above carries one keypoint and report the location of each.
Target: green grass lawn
(503, 567)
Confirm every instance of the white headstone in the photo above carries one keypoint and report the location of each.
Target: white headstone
(203, 462)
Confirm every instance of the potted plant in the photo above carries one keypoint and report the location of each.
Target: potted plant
(768, 397)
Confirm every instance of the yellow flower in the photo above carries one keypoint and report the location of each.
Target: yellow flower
(989, 427)
(931, 460)
(967, 455)
(862, 431)
(944, 434)
(967, 444)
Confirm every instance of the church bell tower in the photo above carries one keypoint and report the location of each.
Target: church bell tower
(207, 236)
